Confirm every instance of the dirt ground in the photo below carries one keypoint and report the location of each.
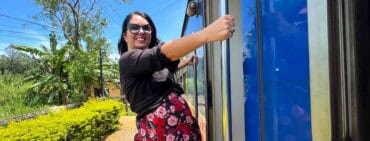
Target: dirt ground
(126, 131)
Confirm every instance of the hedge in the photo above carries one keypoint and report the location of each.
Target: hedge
(91, 121)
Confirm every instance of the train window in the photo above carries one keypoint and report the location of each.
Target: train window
(276, 70)
(201, 92)
(190, 92)
(194, 76)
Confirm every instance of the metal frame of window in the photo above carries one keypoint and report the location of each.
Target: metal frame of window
(342, 67)
(319, 69)
(226, 115)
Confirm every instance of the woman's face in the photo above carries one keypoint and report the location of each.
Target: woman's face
(138, 34)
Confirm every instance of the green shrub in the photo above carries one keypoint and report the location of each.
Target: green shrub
(13, 96)
(93, 120)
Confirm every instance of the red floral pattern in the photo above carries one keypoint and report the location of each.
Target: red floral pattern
(172, 121)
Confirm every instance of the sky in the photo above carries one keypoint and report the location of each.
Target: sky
(168, 16)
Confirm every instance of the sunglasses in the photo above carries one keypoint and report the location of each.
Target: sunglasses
(135, 28)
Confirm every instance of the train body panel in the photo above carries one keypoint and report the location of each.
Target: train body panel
(281, 76)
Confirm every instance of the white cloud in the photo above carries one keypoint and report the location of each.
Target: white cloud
(3, 46)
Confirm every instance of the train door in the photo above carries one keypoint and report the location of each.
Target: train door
(302, 67)
(194, 77)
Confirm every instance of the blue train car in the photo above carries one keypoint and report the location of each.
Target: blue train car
(295, 70)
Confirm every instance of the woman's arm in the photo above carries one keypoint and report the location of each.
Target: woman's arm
(219, 30)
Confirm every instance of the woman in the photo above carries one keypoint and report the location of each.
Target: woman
(146, 73)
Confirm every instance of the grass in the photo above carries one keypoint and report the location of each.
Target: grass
(9, 111)
(13, 94)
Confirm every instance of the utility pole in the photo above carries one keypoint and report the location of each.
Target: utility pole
(101, 92)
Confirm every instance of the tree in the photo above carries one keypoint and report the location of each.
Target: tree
(15, 62)
(60, 75)
(80, 23)
(84, 71)
(76, 21)
(52, 77)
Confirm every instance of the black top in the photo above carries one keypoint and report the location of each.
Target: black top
(146, 78)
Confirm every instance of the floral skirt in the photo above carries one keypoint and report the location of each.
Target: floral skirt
(171, 121)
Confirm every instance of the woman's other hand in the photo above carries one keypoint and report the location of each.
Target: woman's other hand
(220, 29)
(191, 60)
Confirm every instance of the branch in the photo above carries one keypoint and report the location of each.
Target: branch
(55, 15)
(92, 7)
(76, 24)
(66, 35)
(64, 29)
(61, 15)
(75, 4)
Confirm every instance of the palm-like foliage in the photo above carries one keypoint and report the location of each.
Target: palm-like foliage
(72, 70)
(67, 72)
(52, 77)
(82, 75)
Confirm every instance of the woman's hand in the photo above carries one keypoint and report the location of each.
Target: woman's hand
(191, 60)
(220, 29)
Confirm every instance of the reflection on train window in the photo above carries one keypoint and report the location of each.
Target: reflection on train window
(281, 59)
(201, 91)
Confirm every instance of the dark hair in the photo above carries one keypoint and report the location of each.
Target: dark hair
(122, 45)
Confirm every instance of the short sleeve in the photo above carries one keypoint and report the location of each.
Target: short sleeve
(145, 62)
(165, 62)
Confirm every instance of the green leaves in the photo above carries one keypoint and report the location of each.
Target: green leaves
(13, 96)
(52, 77)
(72, 69)
(89, 122)
(31, 50)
